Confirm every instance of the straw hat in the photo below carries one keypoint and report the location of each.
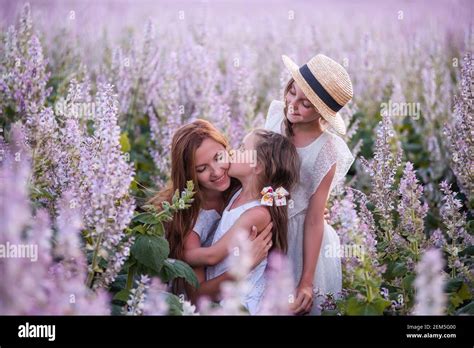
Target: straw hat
(326, 84)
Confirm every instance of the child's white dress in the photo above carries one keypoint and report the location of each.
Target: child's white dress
(256, 278)
(316, 160)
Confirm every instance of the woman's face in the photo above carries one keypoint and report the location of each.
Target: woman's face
(300, 109)
(212, 172)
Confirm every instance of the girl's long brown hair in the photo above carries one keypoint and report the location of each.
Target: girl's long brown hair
(279, 158)
(288, 125)
(185, 142)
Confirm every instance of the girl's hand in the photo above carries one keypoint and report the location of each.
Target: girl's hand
(261, 244)
(304, 299)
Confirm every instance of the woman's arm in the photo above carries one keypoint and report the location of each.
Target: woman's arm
(255, 218)
(212, 255)
(312, 240)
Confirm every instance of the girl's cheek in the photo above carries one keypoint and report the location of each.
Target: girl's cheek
(309, 114)
(225, 165)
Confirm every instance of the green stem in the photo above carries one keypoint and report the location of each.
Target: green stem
(367, 286)
(90, 276)
(130, 276)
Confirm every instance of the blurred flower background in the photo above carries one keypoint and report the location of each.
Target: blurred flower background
(91, 93)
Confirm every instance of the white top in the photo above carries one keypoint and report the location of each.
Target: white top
(256, 278)
(206, 225)
(316, 158)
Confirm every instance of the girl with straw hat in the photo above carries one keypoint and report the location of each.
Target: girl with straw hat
(309, 116)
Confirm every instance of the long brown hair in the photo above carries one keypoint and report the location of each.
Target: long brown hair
(288, 125)
(185, 142)
(281, 166)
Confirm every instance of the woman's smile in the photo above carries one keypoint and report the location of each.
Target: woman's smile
(221, 180)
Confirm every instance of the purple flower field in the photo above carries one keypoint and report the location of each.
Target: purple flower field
(91, 93)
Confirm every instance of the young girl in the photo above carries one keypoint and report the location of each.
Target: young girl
(277, 167)
(195, 150)
(312, 98)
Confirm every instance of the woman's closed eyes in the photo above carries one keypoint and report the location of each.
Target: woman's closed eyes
(217, 157)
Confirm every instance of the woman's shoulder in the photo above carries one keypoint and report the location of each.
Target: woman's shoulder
(205, 220)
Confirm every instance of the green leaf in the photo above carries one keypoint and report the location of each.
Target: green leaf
(158, 229)
(116, 309)
(395, 269)
(376, 307)
(175, 305)
(464, 293)
(146, 218)
(379, 304)
(175, 198)
(150, 208)
(467, 309)
(125, 142)
(119, 283)
(399, 269)
(139, 229)
(455, 300)
(354, 307)
(469, 251)
(122, 295)
(178, 269)
(454, 284)
(190, 185)
(408, 282)
(151, 251)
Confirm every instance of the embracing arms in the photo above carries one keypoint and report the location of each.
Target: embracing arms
(251, 221)
(212, 255)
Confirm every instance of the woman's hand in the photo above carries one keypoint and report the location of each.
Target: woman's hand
(304, 299)
(260, 244)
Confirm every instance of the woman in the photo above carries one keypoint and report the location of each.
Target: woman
(196, 152)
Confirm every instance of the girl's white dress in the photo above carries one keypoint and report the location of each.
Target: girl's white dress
(316, 160)
(256, 278)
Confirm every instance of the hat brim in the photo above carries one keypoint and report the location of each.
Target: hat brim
(332, 117)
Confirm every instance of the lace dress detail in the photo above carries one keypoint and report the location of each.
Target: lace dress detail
(256, 278)
(317, 159)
